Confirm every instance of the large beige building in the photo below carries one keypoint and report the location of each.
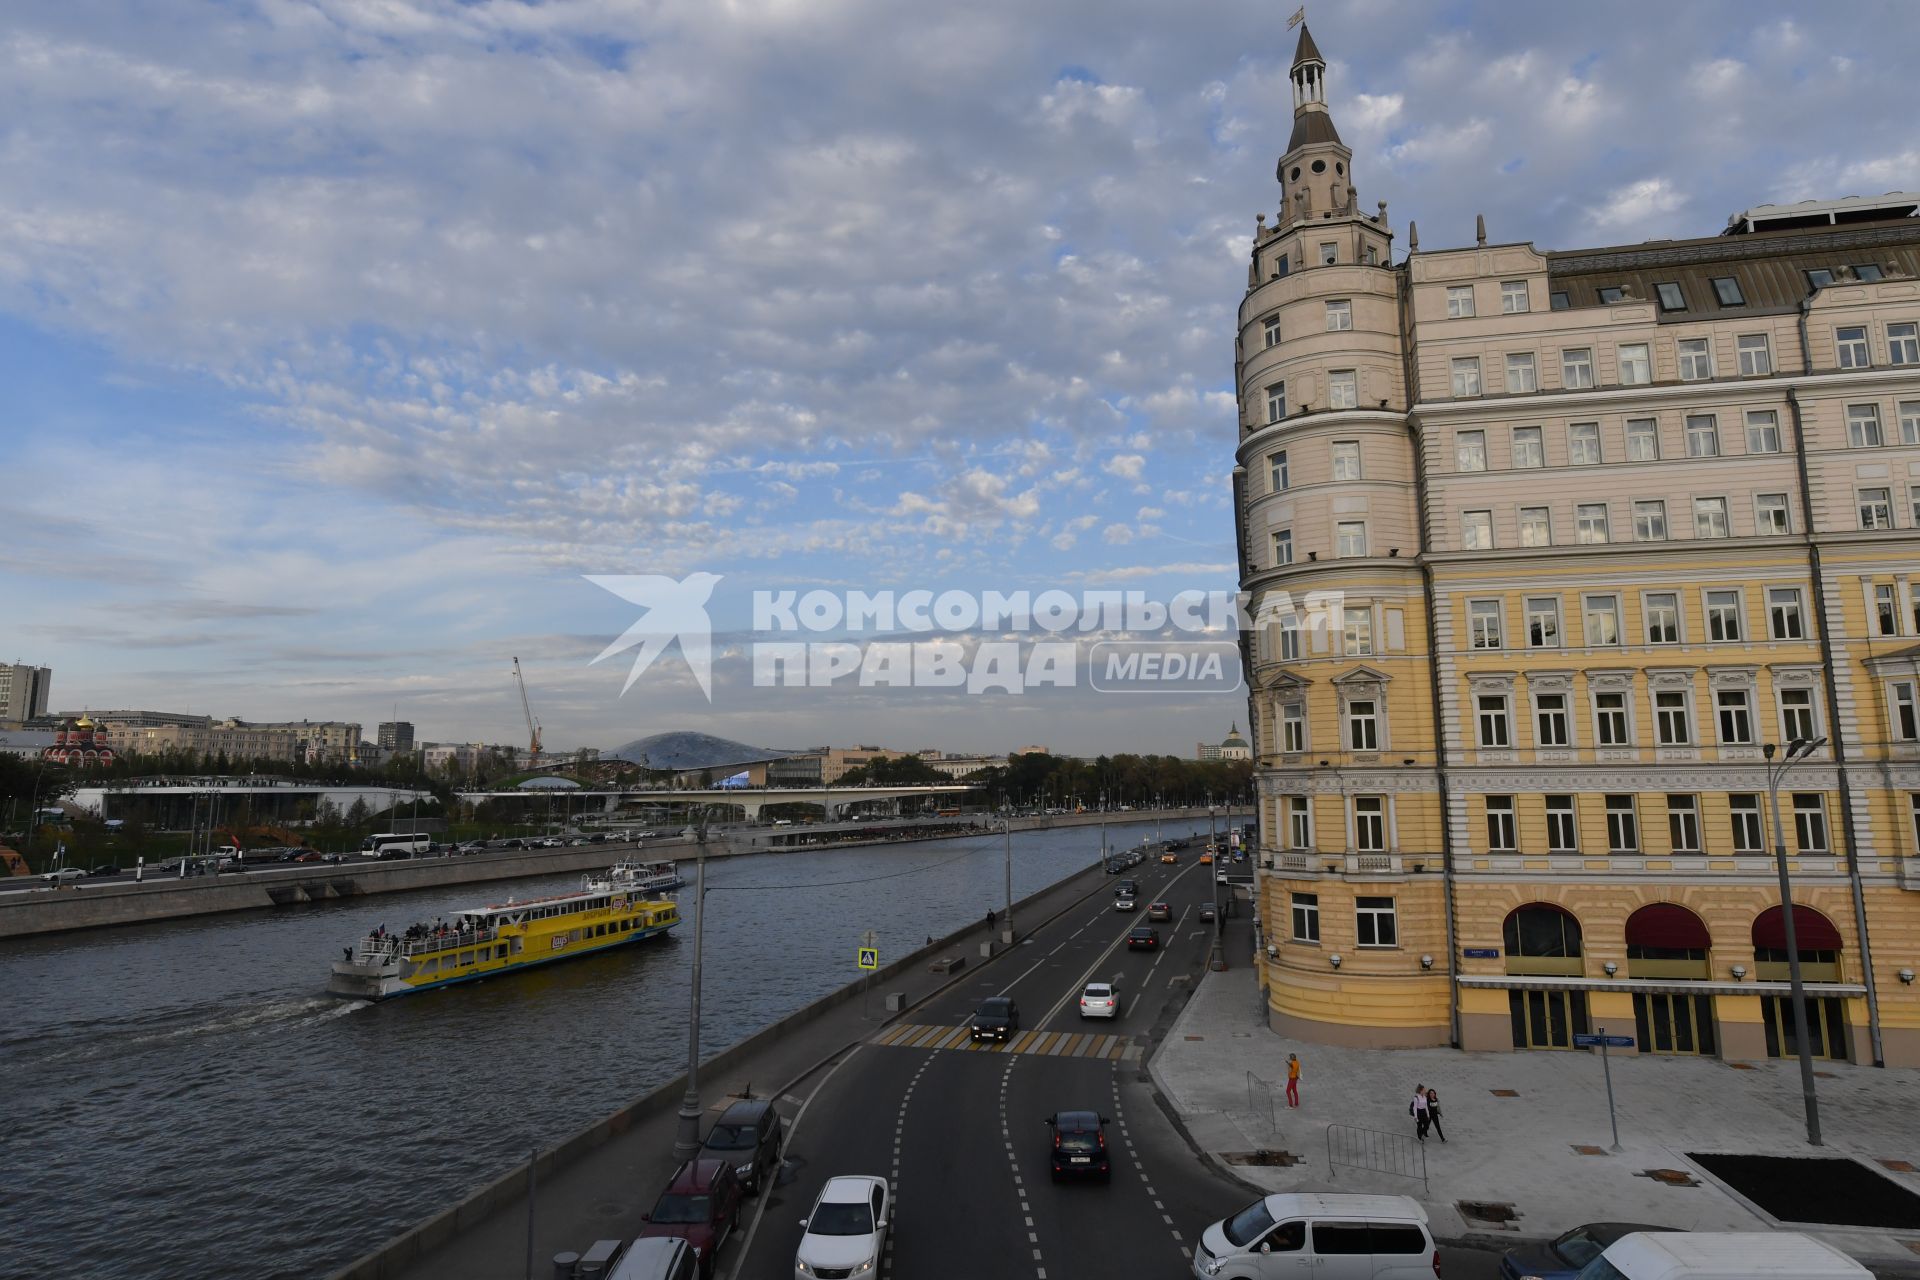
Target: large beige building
(1547, 549)
(153, 732)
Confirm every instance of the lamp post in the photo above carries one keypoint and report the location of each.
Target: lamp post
(1797, 750)
(686, 1140)
(1217, 960)
(1006, 920)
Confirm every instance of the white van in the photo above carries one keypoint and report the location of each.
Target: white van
(658, 1258)
(1340, 1237)
(1721, 1255)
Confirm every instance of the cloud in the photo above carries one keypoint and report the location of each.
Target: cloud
(1128, 466)
(1636, 204)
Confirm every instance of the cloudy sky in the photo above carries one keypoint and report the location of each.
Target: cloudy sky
(340, 338)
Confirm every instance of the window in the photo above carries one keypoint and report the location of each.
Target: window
(1329, 254)
(1723, 615)
(1602, 616)
(1850, 344)
(1576, 368)
(1726, 291)
(1339, 315)
(1370, 825)
(1611, 293)
(1867, 271)
(1373, 255)
(1300, 835)
(1466, 375)
(1747, 837)
(1915, 801)
(1736, 717)
(1819, 277)
(1358, 629)
(1536, 527)
(1703, 436)
(1551, 717)
(1476, 530)
(1346, 459)
(1290, 639)
(1470, 450)
(1483, 623)
(1363, 727)
(1863, 426)
(1763, 431)
(1610, 719)
(1271, 325)
(1696, 360)
(1810, 822)
(1492, 708)
(1885, 616)
(1876, 509)
(1459, 301)
(1683, 823)
(1756, 354)
(1513, 296)
(1350, 539)
(1374, 923)
(1590, 521)
(1913, 594)
(1583, 444)
(1343, 389)
(1559, 301)
(1672, 296)
(1543, 622)
(1770, 514)
(1282, 266)
(1903, 344)
(1282, 547)
(1650, 521)
(1905, 713)
(1306, 917)
(1623, 826)
(1910, 422)
(1500, 834)
(1710, 518)
(1663, 618)
(1277, 470)
(1671, 720)
(1293, 727)
(1643, 439)
(1276, 402)
(1784, 620)
(1563, 831)
(1521, 375)
(1529, 450)
(1636, 365)
(1796, 714)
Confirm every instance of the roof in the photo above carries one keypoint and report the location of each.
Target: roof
(1812, 213)
(849, 1188)
(1748, 1254)
(697, 1175)
(744, 1110)
(1311, 127)
(1344, 1205)
(1306, 50)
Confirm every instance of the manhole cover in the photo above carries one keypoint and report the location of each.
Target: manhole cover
(1828, 1190)
(1262, 1157)
(1504, 1093)
(1741, 1066)
(1671, 1177)
(1492, 1211)
(1899, 1166)
(1193, 1037)
(1588, 1150)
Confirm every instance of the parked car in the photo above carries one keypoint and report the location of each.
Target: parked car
(846, 1231)
(309, 856)
(1143, 938)
(1079, 1145)
(64, 875)
(1207, 912)
(656, 1258)
(700, 1205)
(997, 1019)
(750, 1133)
(1160, 911)
(1721, 1255)
(104, 869)
(1099, 1000)
(1128, 903)
(1562, 1257)
(1377, 1237)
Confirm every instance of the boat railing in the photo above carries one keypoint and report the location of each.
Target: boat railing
(391, 947)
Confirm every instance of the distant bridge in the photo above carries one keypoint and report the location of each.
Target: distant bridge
(749, 800)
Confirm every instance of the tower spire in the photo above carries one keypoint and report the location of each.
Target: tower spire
(1313, 174)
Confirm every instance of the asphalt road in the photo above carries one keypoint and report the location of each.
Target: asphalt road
(960, 1132)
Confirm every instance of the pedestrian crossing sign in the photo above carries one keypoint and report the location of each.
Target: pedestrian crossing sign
(868, 957)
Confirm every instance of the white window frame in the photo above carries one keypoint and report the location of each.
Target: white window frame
(1756, 354)
(1749, 832)
(1563, 824)
(1733, 717)
(1460, 302)
(1763, 431)
(1584, 526)
(1812, 833)
(1345, 460)
(1356, 630)
(1636, 364)
(1536, 526)
(1279, 477)
(1766, 506)
(1544, 624)
(1903, 710)
(1350, 539)
(1364, 731)
(1374, 816)
(1798, 708)
(1339, 315)
(1711, 518)
(1382, 923)
(1863, 427)
(1673, 717)
(1683, 822)
(1513, 297)
(1466, 376)
(1476, 530)
(1653, 601)
(1610, 611)
(1502, 831)
(1725, 611)
(1304, 916)
(1470, 450)
(1552, 723)
(1270, 329)
(1493, 721)
(1623, 822)
(1903, 343)
(1583, 444)
(1643, 439)
(1620, 716)
(1875, 505)
(1910, 422)
(1576, 368)
(1850, 347)
(1293, 728)
(1343, 389)
(1282, 548)
(1695, 357)
(1486, 624)
(1529, 448)
(1703, 435)
(1522, 376)
(1276, 402)
(1299, 822)
(1649, 520)
(1786, 614)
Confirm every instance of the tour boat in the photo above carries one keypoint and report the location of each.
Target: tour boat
(617, 907)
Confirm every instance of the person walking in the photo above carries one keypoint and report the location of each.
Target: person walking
(1293, 1080)
(1418, 1110)
(989, 919)
(1433, 1113)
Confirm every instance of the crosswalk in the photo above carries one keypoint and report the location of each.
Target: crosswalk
(1053, 1044)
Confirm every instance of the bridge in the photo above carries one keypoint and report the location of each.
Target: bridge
(265, 798)
(749, 800)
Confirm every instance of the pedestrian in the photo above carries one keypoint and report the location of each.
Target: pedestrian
(1418, 1110)
(1293, 1080)
(989, 917)
(1433, 1113)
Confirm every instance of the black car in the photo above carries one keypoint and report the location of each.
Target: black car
(1143, 938)
(1079, 1146)
(997, 1019)
(1563, 1257)
(750, 1133)
(1206, 911)
(1127, 889)
(105, 869)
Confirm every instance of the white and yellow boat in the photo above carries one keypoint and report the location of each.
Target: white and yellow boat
(618, 907)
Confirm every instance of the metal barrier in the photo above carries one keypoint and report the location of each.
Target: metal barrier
(1375, 1149)
(1260, 1100)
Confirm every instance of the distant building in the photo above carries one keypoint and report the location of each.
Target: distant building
(1030, 751)
(153, 732)
(965, 766)
(26, 743)
(79, 743)
(23, 692)
(1232, 747)
(397, 736)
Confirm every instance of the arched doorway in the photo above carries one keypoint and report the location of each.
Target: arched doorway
(1820, 946)
(1667, 941)
(1543, 940)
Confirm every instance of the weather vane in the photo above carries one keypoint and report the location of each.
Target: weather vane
(1299, 16)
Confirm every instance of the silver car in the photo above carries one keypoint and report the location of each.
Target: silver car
(1099, 1000)
(1128, 903)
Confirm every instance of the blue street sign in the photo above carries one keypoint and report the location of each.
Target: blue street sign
(1594, 1042)
(1482, 953)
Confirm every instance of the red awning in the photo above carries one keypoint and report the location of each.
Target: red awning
(1666, 924)
(1813, 931)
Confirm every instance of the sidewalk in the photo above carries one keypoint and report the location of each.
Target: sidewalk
(1520, 1150)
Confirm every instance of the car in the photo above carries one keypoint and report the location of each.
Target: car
(750, 1133)
(1099, 1000)
(1143, 938)
(997, 1019)
(701, 1205)
(600, 837)
(1376, 1236)
(104, 869)
(1128, 903)
(1722, 1255)
(1127, 889)
(1160, 911)
(1206, 859)
(1562, 1257)
(64, 875)
(1207, 912)
(846, 1232)
(1169, 857)
(1115, 866)
(656, 1259)
(1079, 1145)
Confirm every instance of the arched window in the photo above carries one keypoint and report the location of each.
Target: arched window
(1819, 943)
(1541, 929)
(1665, 940)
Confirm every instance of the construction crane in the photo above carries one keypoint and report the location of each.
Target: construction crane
(533, 726)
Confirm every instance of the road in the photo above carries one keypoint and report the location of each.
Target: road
(960, 1131)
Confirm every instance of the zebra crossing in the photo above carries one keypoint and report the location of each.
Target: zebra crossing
(1052, 1044)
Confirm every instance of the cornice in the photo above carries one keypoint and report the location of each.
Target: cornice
(1717, 390)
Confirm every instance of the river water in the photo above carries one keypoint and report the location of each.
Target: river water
(183, 1098)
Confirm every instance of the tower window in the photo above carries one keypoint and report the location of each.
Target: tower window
(1319, 166)
(1339, 168)
(1271, 327)
(1295, 175)
(1329, 254)
(1339, 315)
(1868, 271)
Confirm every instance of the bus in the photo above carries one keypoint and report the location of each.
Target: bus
(395, 845)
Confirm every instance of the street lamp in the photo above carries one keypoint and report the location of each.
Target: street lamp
(1217, 961)
(1006, 921)
(1797, 750)
(686, 1141)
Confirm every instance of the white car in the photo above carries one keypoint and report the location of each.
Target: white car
(64, 874)
(1099, 1000)
(846, 1234)
(1128, 903)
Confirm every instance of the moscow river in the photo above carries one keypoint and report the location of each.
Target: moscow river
(183, 1098)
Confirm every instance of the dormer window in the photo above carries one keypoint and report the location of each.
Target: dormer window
(1611, 293)
(1559, 301)
(1868, 271)
(1819, 277)
(1672, 296)
(1726, 291)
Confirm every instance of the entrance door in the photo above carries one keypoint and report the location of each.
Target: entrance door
(1827, 1036)
(1547, 1019)
(1674, 1024)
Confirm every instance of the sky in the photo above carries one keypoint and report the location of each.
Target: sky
(340, 340)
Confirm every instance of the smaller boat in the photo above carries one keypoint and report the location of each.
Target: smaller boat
(638, 877)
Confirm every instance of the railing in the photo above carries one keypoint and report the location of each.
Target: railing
(1375, 1149)
(388, 948)
(1260, 1100)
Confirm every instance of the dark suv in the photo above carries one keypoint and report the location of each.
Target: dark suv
(998, 1019)
(749, 1134)
(1143, 937)
(1079, 1145)
(701, 1205)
